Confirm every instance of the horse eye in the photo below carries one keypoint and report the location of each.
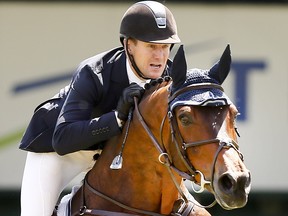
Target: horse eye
(185, 119)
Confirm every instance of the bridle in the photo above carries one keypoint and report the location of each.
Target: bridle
(182, 147)
(224, 142)
(165, 159)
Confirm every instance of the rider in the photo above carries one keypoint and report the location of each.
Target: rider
(65, 131)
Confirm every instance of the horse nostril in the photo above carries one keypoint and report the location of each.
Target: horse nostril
(226, 181)
(238, 183)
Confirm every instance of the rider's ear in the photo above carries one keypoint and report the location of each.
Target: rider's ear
(179, 69)
(221, 69)
(127, 44)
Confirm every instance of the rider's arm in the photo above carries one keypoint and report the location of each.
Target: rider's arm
(76, 129)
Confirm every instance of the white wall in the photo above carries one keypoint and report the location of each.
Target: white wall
(41, 40)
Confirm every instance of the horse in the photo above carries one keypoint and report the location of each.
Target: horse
(184, 127)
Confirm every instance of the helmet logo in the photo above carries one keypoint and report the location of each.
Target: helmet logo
(161, 22)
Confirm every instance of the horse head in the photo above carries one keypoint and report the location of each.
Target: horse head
(203, 121)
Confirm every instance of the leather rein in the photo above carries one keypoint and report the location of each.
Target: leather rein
(185, 208)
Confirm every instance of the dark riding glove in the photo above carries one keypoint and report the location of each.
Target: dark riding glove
(126, 101)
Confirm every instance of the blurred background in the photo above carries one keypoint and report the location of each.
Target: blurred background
(42, 42)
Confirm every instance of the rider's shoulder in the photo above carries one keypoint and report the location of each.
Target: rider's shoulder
(97, 62)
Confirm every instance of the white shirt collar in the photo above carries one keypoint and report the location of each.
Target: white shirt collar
(132, 76)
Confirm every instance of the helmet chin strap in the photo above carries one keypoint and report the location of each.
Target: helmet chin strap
(131, 59)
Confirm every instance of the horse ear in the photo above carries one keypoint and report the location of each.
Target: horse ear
(221, 69)
(179, 68)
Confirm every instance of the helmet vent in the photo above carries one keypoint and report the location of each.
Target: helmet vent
(158, 11)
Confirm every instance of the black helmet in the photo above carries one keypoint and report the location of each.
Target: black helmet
(149, 21)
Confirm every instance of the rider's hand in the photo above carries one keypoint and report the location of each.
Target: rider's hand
(126, 101)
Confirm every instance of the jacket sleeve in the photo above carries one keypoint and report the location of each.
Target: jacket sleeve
(76, 129)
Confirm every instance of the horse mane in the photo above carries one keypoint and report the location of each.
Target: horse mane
(156, 83)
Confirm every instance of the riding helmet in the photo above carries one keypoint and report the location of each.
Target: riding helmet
(149, 21)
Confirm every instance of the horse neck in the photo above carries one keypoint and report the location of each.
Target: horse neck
(143, 181)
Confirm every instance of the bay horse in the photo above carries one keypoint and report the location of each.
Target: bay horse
(183, 128)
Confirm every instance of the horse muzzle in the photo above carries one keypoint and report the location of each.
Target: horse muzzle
(232, 189)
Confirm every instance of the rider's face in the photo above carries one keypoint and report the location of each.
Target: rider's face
(150, 58)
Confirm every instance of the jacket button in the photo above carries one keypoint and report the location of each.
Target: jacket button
(94, 132)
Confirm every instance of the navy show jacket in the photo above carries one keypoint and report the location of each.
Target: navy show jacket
(94, 92)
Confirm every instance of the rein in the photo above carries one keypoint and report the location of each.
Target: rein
(162, 152)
